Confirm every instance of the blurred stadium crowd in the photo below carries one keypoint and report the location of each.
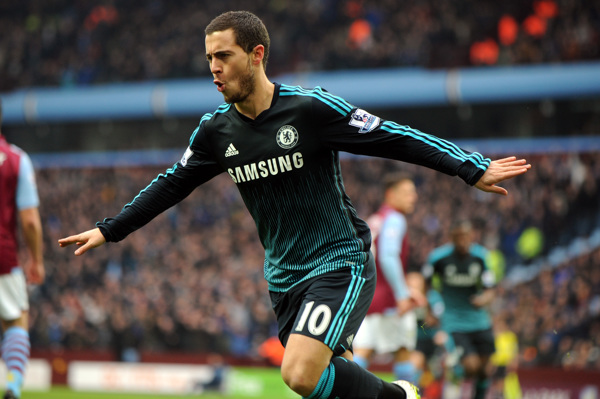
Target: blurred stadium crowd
(77, 42)
(192, 279)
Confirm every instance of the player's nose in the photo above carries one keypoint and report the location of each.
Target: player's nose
(215, 67)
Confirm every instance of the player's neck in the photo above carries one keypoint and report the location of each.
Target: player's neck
(258, 101)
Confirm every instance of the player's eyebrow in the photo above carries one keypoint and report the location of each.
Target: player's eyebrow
(217, 54)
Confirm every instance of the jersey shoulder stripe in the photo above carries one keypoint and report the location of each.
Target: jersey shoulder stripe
(208, 116)
(319, 91)
(335, 102)
(448, 144)
(441, 144)
(479, 251)
(167, 172)
(440, 253)
(193, 136)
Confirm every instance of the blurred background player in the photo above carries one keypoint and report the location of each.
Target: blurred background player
(390, 325)
(18, 202)
(467, 286)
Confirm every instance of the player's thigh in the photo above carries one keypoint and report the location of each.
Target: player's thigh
(463, 344)
(466, 345)
(304, 360)
(13, 296)
(484, 343)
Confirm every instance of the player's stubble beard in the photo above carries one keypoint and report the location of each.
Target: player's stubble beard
(247, 86)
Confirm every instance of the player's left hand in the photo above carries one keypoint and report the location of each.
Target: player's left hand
(500, 170)
(477, 301)
(483, 299)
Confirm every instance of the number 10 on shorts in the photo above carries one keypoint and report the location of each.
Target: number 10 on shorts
(318, 319)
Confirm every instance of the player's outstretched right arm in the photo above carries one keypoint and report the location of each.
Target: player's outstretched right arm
(86, 240)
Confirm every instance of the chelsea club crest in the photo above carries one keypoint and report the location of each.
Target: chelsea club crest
(287, 136)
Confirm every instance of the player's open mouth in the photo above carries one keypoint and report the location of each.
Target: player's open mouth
(220, 85)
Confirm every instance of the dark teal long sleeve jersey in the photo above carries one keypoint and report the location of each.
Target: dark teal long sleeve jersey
(286, 166)
(460, 278)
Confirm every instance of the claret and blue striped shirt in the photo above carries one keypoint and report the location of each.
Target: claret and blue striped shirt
(286, 166)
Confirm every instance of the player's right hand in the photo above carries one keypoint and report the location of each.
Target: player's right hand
(415, 300)
(418, 297)
(86, 240)
(35, 272)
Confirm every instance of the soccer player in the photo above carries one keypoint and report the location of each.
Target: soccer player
(391, 324)
(505, 361)
(279, 144)
(467, 286)
(18, 204)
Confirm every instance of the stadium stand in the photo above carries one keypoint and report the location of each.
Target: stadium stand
(186, 280)
(70, 43)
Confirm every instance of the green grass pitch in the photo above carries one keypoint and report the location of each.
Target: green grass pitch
(246, 383)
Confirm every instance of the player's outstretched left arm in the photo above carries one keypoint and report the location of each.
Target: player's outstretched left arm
(500, 170)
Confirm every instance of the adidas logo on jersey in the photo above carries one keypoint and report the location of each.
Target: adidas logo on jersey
(231, 151)
(349, 340)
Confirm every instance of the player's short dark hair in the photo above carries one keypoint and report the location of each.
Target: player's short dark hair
(394, 178)
(461, 224)
(249, 30)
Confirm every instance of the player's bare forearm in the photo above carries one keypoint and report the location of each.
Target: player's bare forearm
(483, 299)
(500, 170)
(86, 241)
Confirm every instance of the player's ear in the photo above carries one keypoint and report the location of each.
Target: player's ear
(258, 53)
